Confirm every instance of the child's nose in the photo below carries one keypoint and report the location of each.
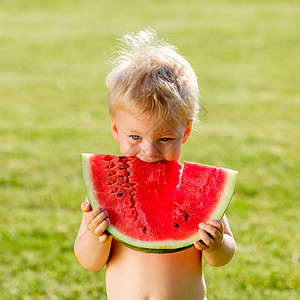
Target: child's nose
(149, 148)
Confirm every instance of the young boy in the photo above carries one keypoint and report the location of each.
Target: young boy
(153, 100)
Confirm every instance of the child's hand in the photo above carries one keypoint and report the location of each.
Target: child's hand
(96, 221)
(211, 235)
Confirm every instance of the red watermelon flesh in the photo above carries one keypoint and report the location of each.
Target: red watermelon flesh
(156, 207)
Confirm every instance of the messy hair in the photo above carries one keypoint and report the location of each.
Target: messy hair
(151, 79)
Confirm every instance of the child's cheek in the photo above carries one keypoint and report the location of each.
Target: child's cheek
(172, 151)
(129, 149)
(175, 149)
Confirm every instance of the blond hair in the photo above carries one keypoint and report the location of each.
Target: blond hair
(150, 79)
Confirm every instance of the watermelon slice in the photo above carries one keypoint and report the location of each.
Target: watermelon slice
(156, 207)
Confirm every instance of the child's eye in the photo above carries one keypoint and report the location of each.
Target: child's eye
(165, 139)
(135, 137)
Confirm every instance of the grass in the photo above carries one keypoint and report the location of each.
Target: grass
(52, 70)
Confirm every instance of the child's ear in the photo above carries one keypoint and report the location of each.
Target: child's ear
(187, 132)
(114, 129)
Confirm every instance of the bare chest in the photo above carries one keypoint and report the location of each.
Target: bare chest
(135, 275)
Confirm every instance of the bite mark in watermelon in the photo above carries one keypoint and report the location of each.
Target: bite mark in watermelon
(156, 207)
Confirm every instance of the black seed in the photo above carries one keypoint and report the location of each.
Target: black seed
(176, 225)
(185, 216)
(120, 194)
(122, 156)
(144, 228)
(127, 180)
(113, 191)
(121, 168)
(128, 173)
(128, 186)
(131, 198)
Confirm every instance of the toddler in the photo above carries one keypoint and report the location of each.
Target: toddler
(153, 101)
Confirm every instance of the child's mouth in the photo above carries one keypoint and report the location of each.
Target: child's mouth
(150, 159)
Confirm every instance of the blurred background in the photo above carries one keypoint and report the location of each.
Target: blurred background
(53, 64)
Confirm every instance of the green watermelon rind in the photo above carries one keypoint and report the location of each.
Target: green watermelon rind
(165, 246)
(86, 176)
(226, 195)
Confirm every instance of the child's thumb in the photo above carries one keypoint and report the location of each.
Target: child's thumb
(85, 206)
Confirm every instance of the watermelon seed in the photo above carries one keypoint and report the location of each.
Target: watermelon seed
(184, 215)
(127, 180)
(176, 225)
(144, 228)
(131, 198)
(122, 156)
(120, 194)
(113, 191)
(121, 168)
(128, 173)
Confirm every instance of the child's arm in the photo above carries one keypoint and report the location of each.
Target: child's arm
(92, 245)
(218, 244)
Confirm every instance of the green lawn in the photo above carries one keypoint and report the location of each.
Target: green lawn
(53, 63)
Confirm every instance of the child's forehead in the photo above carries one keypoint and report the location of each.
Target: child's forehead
(148, 123)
